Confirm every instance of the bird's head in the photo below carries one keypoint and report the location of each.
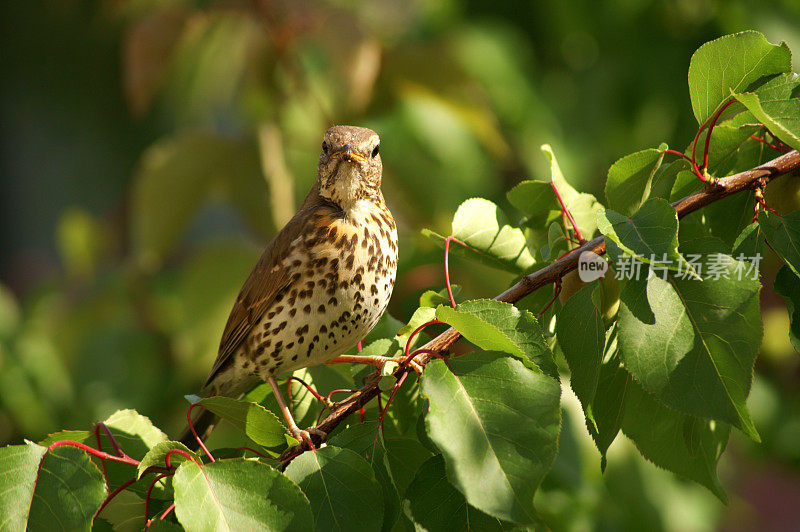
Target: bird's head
(349, 166)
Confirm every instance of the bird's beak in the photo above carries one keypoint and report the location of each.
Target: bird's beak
(348, 154)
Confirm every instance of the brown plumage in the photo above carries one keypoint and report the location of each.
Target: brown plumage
(321, 283)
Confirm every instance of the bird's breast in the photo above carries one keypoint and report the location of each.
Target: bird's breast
(342, 275)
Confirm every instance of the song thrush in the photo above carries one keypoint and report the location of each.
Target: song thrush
(320, 285)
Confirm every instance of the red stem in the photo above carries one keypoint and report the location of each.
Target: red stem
(167, 511)
(775, 252)
(711, 128)
(340, 390)
(262, 455)
(773, 146)
(147, 497)
(389, 401)
(100, 448)
(114, 494)
(316, 395)
(413, 334)
(565, 210)
(447, 267)
(555, 295)
(94, 452)
(675, 152)
(194, 433)
(111, 438)
(327, 400)
(182, 453)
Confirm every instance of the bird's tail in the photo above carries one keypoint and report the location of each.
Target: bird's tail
(203, 425)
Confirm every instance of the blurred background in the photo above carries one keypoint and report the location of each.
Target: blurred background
(150, 148)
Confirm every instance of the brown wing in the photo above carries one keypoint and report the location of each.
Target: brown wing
(265, 281)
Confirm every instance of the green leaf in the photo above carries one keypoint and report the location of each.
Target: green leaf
(341, 487)
(650, 235)
(484, 228)
(432, 503)
(665, 177)
(260, 425)
(421, 316)
(533, 197)
(136, 435)
(364, 439)
(496, 422)
(726, 218)
(693, 343)
(783, 234)
(177, 176)
(125, 512)
(581, 335)
(686, 445)
(583, 207)
(157, 455)
(134, 432)
(782, 117)
(431, 298)
(80, 436)
(604, 418)
(238, 494)
(394, 461)
(556, 242)
(63, 494)
(19, 465)
(732, 63)
(787, 285)
(749, 243)
(630, 178)
(403, 457)
(497, 326)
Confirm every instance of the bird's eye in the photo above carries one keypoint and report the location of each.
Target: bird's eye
(375, 150)
(324, 147)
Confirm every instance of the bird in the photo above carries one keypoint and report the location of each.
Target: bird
(319, 286)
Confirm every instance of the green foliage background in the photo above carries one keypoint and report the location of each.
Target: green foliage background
(149, 148)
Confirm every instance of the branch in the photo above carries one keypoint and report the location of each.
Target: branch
(552, 273)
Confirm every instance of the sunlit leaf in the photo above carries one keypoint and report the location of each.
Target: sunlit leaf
(497, 326)
(650, 235)
(136, 435)
(63, 494)
(157, 456)
(496, 422)
(238, 494)
(732, 63)
(260, 425)
(484, 228)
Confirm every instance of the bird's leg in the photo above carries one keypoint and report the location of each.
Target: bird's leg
(373, 360)
(298, 433)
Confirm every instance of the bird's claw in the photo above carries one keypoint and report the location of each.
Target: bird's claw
(304, 436)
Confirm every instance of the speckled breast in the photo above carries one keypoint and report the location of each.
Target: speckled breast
(343, 273)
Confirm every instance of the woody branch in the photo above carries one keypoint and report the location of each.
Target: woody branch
(552, 273)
